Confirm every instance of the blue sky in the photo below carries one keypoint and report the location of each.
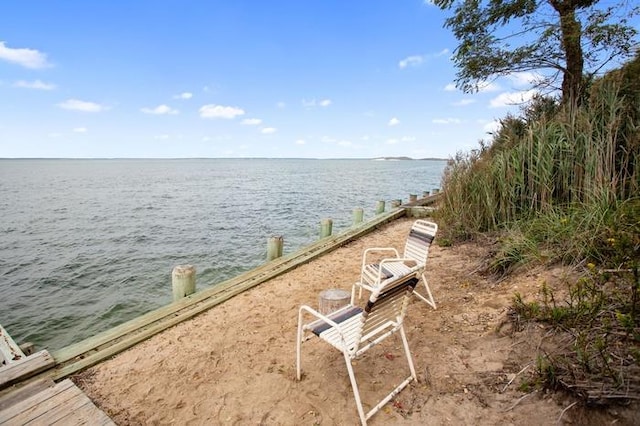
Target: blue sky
(318, 79)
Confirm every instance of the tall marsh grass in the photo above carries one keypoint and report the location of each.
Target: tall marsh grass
(574, 165)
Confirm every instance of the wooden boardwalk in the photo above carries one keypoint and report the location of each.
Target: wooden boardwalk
(39, 401)
(60, 404)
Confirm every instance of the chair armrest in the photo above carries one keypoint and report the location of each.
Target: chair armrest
(379, 250)
(360, 284)
(318, 315)
(401, 259)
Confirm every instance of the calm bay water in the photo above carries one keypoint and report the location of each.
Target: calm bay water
(88, 244)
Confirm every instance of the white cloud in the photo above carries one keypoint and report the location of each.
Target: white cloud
(392, 141)
(345, 143)
(417, 60)
(251, 121)
(28, 58)
(524, 79)
(464, 102)
(161, 137)
(80, 130)
(511, 98)
(393, 122)
(160, 110)
(491, 127)
(77, 105)
(301, 142)
(313, 103)
(281, 104)
(268, 130)
(408, 139)
(184, 95)
(482, 87)
(488, 87)
(220, 111)
(37, 84)
(446, 121)
(411, 61)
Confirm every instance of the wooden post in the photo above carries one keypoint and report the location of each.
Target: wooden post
(358, 215)
(274, 247)
(413, 198)
(183, 280)
(435, 190)
(425, 194)
(380, 207)
(326, 227)
(396, 203)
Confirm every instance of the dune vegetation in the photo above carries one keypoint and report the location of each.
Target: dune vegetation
(560, 183)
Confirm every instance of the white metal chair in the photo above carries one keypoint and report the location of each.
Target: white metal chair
(414, 259)
(353, 330)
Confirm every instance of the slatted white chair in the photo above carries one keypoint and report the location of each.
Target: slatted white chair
(353, 330)
(414, 259)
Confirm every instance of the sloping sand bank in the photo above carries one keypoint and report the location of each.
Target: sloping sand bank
(235, 364)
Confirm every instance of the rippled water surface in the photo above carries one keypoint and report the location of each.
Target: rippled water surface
(88, 244)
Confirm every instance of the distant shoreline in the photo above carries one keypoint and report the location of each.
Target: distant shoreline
(222, 158)
(406, 159)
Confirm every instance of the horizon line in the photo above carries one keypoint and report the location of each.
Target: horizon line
(399, 158)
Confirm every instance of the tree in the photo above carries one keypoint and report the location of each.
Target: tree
(569, 39)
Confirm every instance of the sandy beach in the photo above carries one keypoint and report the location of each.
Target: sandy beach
(235, 364)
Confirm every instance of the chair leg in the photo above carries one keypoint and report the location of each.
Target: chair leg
(428, 300)
(354, 386)
(298, 344)
(407, 352)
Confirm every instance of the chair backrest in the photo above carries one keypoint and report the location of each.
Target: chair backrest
(419, 240)
(387, 307)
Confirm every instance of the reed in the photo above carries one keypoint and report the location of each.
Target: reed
(575, 162)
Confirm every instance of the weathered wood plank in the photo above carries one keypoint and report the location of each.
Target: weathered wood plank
(25, 368)
(56, 408)
(34, 404)
(63, 404)
(86, 414)
(21, 393)
(77, 402)
(9, 351)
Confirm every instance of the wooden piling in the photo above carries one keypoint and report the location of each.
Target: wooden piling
(396, 203)
(326, 227)
(183, 280)
(434, 191)
(274, 247)
(413, 198)
(380, 207)
(425, 194)
(358, 215)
